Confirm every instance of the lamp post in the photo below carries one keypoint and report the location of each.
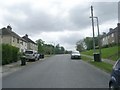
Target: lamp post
(98, 36)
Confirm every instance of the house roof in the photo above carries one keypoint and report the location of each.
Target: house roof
(28, 39)
(110, 32)
(6, 31)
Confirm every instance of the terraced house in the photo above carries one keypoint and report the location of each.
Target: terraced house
(31, 45)
(112, 37)
(11, 38)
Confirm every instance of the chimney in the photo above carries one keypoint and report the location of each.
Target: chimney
(26, 35)
(104, 33)
(110, 29)
(9, 27)
(118, 24)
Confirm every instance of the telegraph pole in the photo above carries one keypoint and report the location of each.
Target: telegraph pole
(93, 29)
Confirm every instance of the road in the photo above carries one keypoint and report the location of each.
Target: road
(57, 72)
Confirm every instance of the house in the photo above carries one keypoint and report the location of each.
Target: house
(111, 37)
(11, 38)
(0, 36)
(119, 33)
(31, 45)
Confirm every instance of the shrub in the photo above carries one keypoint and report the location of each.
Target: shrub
(9, 54)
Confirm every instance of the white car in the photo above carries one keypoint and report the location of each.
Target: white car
(75, 55)
(31, 55)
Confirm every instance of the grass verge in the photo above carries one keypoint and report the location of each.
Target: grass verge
(106, 53)
(101, 65)
(104, 66)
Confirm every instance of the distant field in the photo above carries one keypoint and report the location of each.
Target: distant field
(107, 53)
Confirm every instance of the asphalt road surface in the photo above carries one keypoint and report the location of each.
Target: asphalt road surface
(57, 72)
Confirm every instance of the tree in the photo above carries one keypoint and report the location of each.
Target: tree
(40, 44)
(49, 48)
(80, 45)
(89, 42)
(62, 50)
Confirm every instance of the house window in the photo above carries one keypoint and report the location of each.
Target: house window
(21, 42)
(17, 40)
(112, 41)
(13, 39)
(103, 39)
(112, 35)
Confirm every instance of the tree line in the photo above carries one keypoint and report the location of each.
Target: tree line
(86, 44)
(49, 48)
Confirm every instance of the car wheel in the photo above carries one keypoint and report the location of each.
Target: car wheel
(34, 59)
(112, 87)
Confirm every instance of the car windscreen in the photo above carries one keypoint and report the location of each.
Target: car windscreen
(75, 53)
(28, 52)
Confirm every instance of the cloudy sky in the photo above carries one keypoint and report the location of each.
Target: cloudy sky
(57, 21)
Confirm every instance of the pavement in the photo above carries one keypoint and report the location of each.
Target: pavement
(12, 67)
(57, 71)
(104, 60)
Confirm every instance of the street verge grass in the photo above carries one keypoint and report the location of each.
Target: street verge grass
(104, 66)
(107, 53)
(86, 58)
(101, 65)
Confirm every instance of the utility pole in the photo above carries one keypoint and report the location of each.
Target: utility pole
(93, 29)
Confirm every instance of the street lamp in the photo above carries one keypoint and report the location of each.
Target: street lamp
(98, 36)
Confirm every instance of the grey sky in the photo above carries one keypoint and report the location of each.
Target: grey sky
(57, 21)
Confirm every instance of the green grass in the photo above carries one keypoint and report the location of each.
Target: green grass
(102, 65)
(106, 52)
(86, 58)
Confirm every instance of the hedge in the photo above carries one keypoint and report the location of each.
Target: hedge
(9, 54)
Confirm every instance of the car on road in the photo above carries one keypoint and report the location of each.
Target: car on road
(31, 55)
(114, 83)
(41, 56)
(75, 55)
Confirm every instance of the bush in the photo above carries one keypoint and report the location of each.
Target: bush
(9, 54)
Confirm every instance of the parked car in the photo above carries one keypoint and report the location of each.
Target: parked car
(31, 55)
(75, 55)
(41, 55)
(114, 83)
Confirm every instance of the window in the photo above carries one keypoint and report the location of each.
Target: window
(21, 42)
(13, 39)
(17, 40)
(103, 39)
(117, 65)
(28, 52)
(112, 35)
(113, 41)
